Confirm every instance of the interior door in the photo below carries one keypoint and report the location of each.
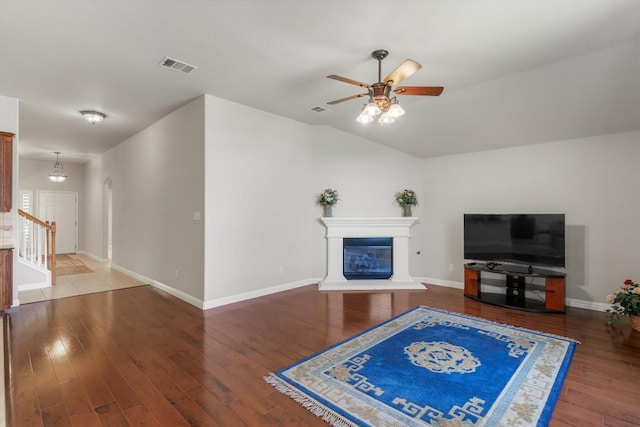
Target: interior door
(61, 207)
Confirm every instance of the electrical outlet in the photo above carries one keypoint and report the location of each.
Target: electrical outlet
(450, 267)
(176, 274)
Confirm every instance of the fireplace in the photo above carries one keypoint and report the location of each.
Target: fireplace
(367, 258)
(395, 228)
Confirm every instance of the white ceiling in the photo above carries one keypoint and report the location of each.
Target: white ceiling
(514, 71)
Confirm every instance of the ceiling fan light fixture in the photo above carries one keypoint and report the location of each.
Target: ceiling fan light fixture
(372, 109)
(93, 117)
(396, 110)
(57, 173)
(364, 118)
(382, 93)
(386, 119)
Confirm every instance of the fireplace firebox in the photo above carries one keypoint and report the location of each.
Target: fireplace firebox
(367, 258)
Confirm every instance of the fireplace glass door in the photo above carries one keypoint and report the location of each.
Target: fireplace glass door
(367, 258)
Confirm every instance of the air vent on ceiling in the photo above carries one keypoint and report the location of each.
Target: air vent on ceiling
(174, 64)
(319, 109)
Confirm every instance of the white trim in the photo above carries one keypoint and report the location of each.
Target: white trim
(588, 305)
(259, 293)
(32, 286)
(440, 282)
(205, 305)
(168, 289)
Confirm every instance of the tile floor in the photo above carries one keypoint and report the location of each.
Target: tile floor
(104, 278)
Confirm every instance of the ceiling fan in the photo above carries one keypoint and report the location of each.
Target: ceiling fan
(380, 98)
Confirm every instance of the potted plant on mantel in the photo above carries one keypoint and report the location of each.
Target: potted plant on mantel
(327, 199)
(625, 302)
(406, 199)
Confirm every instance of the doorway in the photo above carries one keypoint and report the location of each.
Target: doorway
(61, 207)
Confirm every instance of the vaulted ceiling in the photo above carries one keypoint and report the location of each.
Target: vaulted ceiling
(515, 71)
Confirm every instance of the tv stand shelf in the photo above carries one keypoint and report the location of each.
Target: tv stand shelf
(514, 281)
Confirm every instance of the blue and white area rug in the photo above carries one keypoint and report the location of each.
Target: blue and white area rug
(428, 367)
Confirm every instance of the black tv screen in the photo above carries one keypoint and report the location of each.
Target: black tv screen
(528, 239)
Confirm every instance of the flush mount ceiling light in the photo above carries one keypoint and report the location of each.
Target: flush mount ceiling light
(380, 99)
(93, 117)
(57, 173)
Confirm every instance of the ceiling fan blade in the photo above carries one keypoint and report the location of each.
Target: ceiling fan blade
(419, 90)
(348, 98)
(404, 70)
(346, 80)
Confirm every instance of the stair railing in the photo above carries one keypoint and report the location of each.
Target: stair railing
(37, 242)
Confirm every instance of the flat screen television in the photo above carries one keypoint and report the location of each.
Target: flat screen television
(526, 239)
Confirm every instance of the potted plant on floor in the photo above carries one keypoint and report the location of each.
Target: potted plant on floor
(625, 302)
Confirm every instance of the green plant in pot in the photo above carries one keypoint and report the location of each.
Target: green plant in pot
(327, 199)
(406, 199)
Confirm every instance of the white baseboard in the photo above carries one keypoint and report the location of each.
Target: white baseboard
(218, 302)
(258, 293)
(32, 286)
(168, 289)
(440, 282)
(588, 305)
(205, 305)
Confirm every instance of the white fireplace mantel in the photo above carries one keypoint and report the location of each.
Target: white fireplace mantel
(397, 228)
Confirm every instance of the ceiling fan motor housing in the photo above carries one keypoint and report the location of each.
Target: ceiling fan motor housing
(380, 94)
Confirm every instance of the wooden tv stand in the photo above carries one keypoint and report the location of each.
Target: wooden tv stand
(514, 281)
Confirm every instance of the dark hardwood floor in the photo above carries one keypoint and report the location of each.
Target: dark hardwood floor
(141, 357)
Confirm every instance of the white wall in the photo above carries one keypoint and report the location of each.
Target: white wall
(594, 181)
(93, 224)
(34, 176)
(157, 183)
(263, 175)
(367, 176)
(8, 114)
(258, 178)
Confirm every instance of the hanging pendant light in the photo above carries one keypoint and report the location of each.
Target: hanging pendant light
(57, 173)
